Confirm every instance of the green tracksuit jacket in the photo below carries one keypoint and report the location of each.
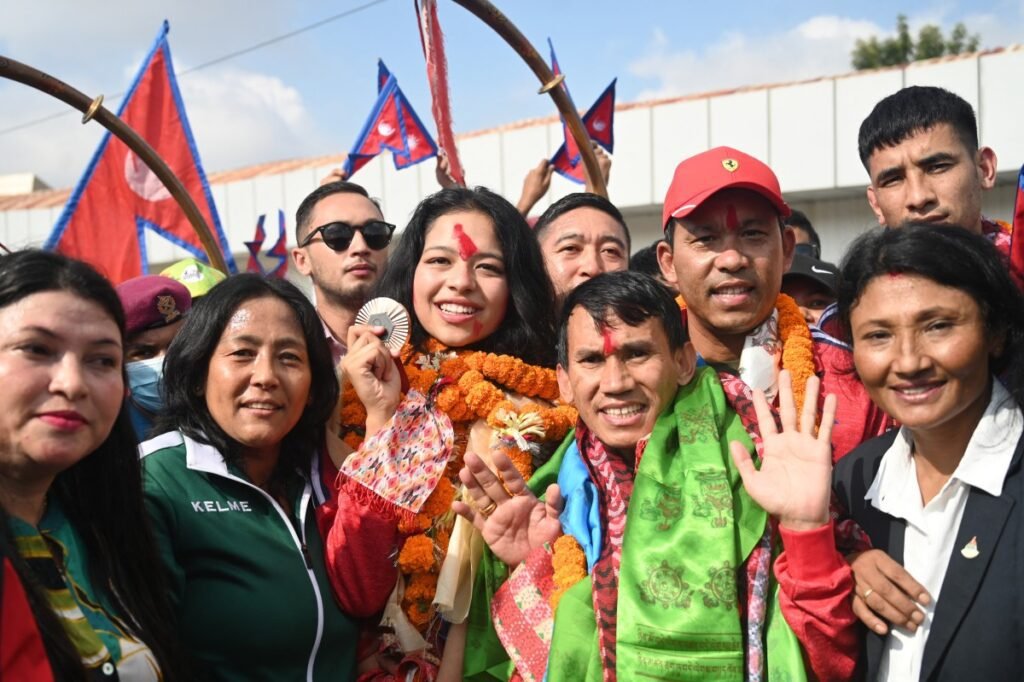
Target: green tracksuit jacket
(248, 582)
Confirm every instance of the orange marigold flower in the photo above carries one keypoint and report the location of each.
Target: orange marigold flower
(353, 440)
(420, 614)
(522, 461)
(414, 524)
(440, 501)
(421, 587)
(417, 555)
(442, 538)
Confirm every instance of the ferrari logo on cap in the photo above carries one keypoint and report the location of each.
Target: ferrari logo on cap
(730, 165)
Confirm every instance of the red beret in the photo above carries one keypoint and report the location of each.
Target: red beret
(152, 301)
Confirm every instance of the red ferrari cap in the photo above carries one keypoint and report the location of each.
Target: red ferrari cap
(700, 176)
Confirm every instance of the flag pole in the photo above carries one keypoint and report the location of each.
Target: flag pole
(501, 25)
(93, 109)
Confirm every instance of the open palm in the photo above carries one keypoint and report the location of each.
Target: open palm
(519, 522)
(794, 482)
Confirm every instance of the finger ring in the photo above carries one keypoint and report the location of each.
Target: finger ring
(489, 509)
(867, 593)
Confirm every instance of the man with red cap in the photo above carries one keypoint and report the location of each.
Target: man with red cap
(726, 249)
(154, 309)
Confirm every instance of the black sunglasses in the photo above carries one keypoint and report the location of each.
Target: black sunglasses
(338, 235)
(807, 250)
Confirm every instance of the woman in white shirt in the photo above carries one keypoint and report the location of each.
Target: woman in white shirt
(937, 327)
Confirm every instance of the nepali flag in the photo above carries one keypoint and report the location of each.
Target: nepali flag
(420, 144)
(599, 122)
(571, 149)
(278, 251)
(119, 198)
(1017, 235)
(393, 125)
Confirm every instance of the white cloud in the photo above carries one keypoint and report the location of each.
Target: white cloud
(816, 47)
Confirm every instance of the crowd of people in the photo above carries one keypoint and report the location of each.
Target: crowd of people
(719, 458)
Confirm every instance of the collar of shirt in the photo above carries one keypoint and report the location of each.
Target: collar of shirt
(983, 466)
(338, 348)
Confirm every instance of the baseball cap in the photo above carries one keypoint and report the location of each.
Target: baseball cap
(152, 301)
(820, 271)
(197, 276)
(700, 176)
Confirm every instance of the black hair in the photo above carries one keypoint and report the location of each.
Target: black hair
(911, 110)
(630, 296)
(528, 329)
(187, 364)
(120, 550)
(571, 202)
(646, 261)
(799, 220)
(978, 270)
(305, 210)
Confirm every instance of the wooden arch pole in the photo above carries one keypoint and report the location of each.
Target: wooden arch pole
(94, 109)
(501, 25)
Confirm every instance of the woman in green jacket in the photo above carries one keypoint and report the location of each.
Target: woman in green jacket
(249, 385)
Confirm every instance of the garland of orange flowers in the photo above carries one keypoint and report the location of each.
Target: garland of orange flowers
(570, 566)
(797, 346)
(466, 386)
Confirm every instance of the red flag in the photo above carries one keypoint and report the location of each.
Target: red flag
(383, 130)
(278, 251)
(1017, 235)
(599, 122)
(417, 140)
(119, 197)
(437, 78)
(572, 151)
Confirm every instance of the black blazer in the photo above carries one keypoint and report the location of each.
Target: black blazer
(978, 626)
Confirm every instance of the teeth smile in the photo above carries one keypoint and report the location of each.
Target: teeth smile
(457, 309)
(916, 390)
(730, 291)
(624, 411)
(261, 406)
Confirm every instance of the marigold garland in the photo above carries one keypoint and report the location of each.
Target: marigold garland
(467, 386)
(569, 564)
(797, 346)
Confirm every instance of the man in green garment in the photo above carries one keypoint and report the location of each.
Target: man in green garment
(672, 534)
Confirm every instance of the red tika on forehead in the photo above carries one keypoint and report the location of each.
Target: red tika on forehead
(731, 220)
(466, 245)
(609, 341)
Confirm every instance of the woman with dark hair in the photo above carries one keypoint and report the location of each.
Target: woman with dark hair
(479, 369)
(249, 385)
(70, 483)
(937, 327)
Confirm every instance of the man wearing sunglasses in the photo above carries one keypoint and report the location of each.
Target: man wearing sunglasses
(342, 247)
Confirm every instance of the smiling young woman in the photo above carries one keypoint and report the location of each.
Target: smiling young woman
(479, 365)
(939, 345)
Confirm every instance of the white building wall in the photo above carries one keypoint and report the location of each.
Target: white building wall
(806, 131)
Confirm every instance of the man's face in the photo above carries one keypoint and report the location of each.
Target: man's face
(342, 277)
(621, 378)
(581, 244)
(727, 261)
(930, 177)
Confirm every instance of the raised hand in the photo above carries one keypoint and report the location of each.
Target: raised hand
(535, 185)
(370, 367)
(794, 483)
(510, 518)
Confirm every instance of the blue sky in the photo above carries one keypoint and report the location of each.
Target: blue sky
(310, 94)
